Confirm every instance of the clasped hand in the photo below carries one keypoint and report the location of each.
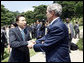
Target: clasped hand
(31, 44)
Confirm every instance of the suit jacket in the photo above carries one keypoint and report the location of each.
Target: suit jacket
(20, 51)
(55, 43)
(38, 31)
(3, 36)
(71, 28)
(76, 28)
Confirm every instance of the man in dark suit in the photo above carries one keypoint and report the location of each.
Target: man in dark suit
(3, 42)
(76, 29)
(55, 42)
(38, 31)
(18, 38)
(70, 31)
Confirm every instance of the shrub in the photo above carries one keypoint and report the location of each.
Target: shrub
(80, 44)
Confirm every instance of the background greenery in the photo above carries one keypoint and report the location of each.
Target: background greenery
(71, 9)
(80, 41)
(6, 55)
(80, 44)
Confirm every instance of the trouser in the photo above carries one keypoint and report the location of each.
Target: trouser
(70, 39)
(2, 50)
(77, 33)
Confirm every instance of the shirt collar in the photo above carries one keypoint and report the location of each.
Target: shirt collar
(20, 28)
(53, 20)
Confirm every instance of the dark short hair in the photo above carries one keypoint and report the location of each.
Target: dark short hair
(15, 24)
(76, 22)
(17, 17)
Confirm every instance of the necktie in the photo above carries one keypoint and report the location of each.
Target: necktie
(23, 35)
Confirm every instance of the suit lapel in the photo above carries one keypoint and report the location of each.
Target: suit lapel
(26, 33)
(50, 26)
(56, 20)
(19, 33)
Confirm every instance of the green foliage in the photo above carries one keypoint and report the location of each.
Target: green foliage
(7, 16)
(29, 16)
(5, 60)
(80, 44)
(71, 8)
(79, 9)
(32, 52)
(6, 55)
(40, 12)
(79, 20)
(80, 27)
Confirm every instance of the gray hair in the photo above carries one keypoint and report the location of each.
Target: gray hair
(57, 8)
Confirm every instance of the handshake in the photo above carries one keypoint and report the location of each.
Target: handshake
(31, 43)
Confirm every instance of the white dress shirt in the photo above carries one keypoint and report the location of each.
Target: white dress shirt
(53, 20)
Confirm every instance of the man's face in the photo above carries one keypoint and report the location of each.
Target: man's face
(67, 20)
(37, 22)
(49, 15)
(22, 22)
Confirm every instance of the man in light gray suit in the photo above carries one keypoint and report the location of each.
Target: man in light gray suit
(70, 30)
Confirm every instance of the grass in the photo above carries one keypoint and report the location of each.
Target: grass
(32, 52)
(5, 60)
(80, 44)
(6, 55)
(80, 27)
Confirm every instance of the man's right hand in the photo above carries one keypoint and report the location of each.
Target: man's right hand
(31, 41)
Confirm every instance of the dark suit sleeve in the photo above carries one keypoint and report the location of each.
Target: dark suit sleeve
(14, 43)
(53, 37)
(40, 40)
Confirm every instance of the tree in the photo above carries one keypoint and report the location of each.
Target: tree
(3, 14)
(7, 16)
(29, 16)
(40, 12)
(71, 8)
(79, 9)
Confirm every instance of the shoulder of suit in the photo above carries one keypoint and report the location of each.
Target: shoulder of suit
(14, 29)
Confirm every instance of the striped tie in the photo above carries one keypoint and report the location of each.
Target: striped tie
(23, 35)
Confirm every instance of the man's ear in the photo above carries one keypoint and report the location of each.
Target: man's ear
(53, 12)
(17, 22)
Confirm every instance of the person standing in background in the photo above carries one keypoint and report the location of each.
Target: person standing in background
(77, 31)
(3, 41)
(70, 30)
(38, 31)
